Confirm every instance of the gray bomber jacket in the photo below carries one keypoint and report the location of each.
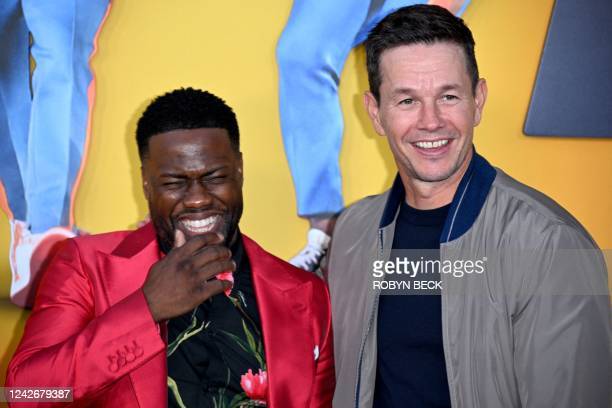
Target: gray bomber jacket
(533, 330)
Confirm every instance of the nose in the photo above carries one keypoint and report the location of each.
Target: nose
(197, 195)
(429, 117)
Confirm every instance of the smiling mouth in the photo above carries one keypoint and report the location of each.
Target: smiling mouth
(199, 226)
(432, 145)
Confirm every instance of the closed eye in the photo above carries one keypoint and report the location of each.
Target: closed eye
(173, 183)
(217, 178)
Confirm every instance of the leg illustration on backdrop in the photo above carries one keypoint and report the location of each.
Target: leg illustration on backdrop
(311, 53)
(44, 124)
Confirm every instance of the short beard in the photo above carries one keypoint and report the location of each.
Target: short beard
(165, 238)
(442, 177)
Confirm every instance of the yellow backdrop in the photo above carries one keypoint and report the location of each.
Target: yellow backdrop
(148, 47)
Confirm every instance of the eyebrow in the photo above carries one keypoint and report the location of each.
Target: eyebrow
(402, 91)
(172, 175)
(410, 91)
(450, 87)
(183, 174)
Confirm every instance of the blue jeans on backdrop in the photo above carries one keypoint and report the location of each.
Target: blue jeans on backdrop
(43, 125)
(311, 54)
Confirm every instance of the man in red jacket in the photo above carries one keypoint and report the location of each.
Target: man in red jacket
(185, 310)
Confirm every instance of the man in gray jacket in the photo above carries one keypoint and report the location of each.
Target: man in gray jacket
(506, 298)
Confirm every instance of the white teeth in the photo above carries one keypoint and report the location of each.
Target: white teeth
(200, 226)
(432, 145)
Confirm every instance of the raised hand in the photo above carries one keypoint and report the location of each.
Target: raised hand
(186, 276)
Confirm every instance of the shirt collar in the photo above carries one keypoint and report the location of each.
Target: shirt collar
(467, 202)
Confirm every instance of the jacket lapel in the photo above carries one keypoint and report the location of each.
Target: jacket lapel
(125, 270)
(284, 305)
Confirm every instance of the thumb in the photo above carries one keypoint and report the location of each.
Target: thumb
(179, 238)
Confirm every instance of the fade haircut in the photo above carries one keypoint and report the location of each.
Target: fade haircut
(418, 24)
(185, 108)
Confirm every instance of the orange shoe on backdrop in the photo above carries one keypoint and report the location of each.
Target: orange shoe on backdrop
(29, 255)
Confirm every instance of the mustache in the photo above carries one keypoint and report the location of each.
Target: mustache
(200, 211)
(196, 211)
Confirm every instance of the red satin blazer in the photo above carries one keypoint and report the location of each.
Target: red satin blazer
(91, 328)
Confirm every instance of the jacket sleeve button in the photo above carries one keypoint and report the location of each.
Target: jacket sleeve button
(112, 365)
(129, 355)
(121, 359)
(137, 350)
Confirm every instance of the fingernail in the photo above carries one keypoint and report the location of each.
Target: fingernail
(179, 238)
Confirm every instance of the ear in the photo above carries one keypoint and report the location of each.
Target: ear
(146, 187)
(480, 97)
(239, 168)
(371, 105)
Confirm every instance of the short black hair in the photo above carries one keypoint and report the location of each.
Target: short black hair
(418, 24)
(185, 108)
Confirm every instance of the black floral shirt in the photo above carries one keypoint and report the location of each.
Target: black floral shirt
(211, 349)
